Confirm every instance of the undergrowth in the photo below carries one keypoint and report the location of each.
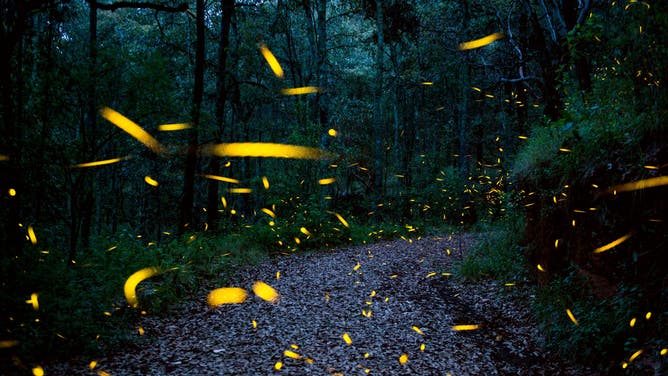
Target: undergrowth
(498, 255)
(81, 310)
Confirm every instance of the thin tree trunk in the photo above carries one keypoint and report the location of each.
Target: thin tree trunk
(322, 73)
(186, 216)
(377, 109)
(221, 99)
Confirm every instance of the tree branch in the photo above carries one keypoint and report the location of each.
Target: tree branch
(584, 8)
(518, 79)
(139, 5)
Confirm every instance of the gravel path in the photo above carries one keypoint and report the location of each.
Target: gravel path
(379, 294)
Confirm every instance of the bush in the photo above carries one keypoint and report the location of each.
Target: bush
(498, 255)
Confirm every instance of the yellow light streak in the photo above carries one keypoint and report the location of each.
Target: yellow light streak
(132, 129)
(326, 181)
(465, 327)
(4, 344)
(300, 90)
(221, 178)
(427, 83)
(265, 292)
(572, 317)
(477, 43)
(347, 339)
(131, 284)
(418, 330)
(640, 184)
(340, 218)
(240, 190)
(100, 163)
(291, 354)
(635, 355)
(268, 212)
(539, 267)
(150, 181)
(33, 301)
(31, 235)
(306, 232)
(612, 244)
(265, 182)
(264, 150)
(226, 295)
(174, 127)
(632, 323)
(271, 60)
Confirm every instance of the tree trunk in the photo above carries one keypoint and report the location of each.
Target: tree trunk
(322, 72)
(378, 126)
(221, 99)
(186, 217)
(89, 135)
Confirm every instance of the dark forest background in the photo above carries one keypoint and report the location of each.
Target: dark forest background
(530, 138)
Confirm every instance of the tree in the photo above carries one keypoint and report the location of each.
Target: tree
(221, 100)
(186, 217)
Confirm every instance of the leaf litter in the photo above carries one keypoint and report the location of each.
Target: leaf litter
(201, 339)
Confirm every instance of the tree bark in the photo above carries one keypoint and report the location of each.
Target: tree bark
(186, 216)
(378, 108)
(221, 99)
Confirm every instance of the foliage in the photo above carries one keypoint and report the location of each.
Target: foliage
(567, 173)
(603, 331)
(81, 305)
(448, 124)
(498, 255)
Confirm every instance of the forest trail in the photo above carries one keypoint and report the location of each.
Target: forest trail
(391, 298)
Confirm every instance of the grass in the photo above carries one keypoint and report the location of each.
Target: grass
(82, 308)
(498, 255)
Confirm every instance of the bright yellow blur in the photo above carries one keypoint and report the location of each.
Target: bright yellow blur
(131, 284)
(265, 292)
(465, 327)
(264, 150)
(300, 90)
(480, 42)
(132, 129)
(612, 244)
(326, 181)
(174, 127)
(99, 163)
(271, 60)
(226, 295)
(640, 184)
(222, 178)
